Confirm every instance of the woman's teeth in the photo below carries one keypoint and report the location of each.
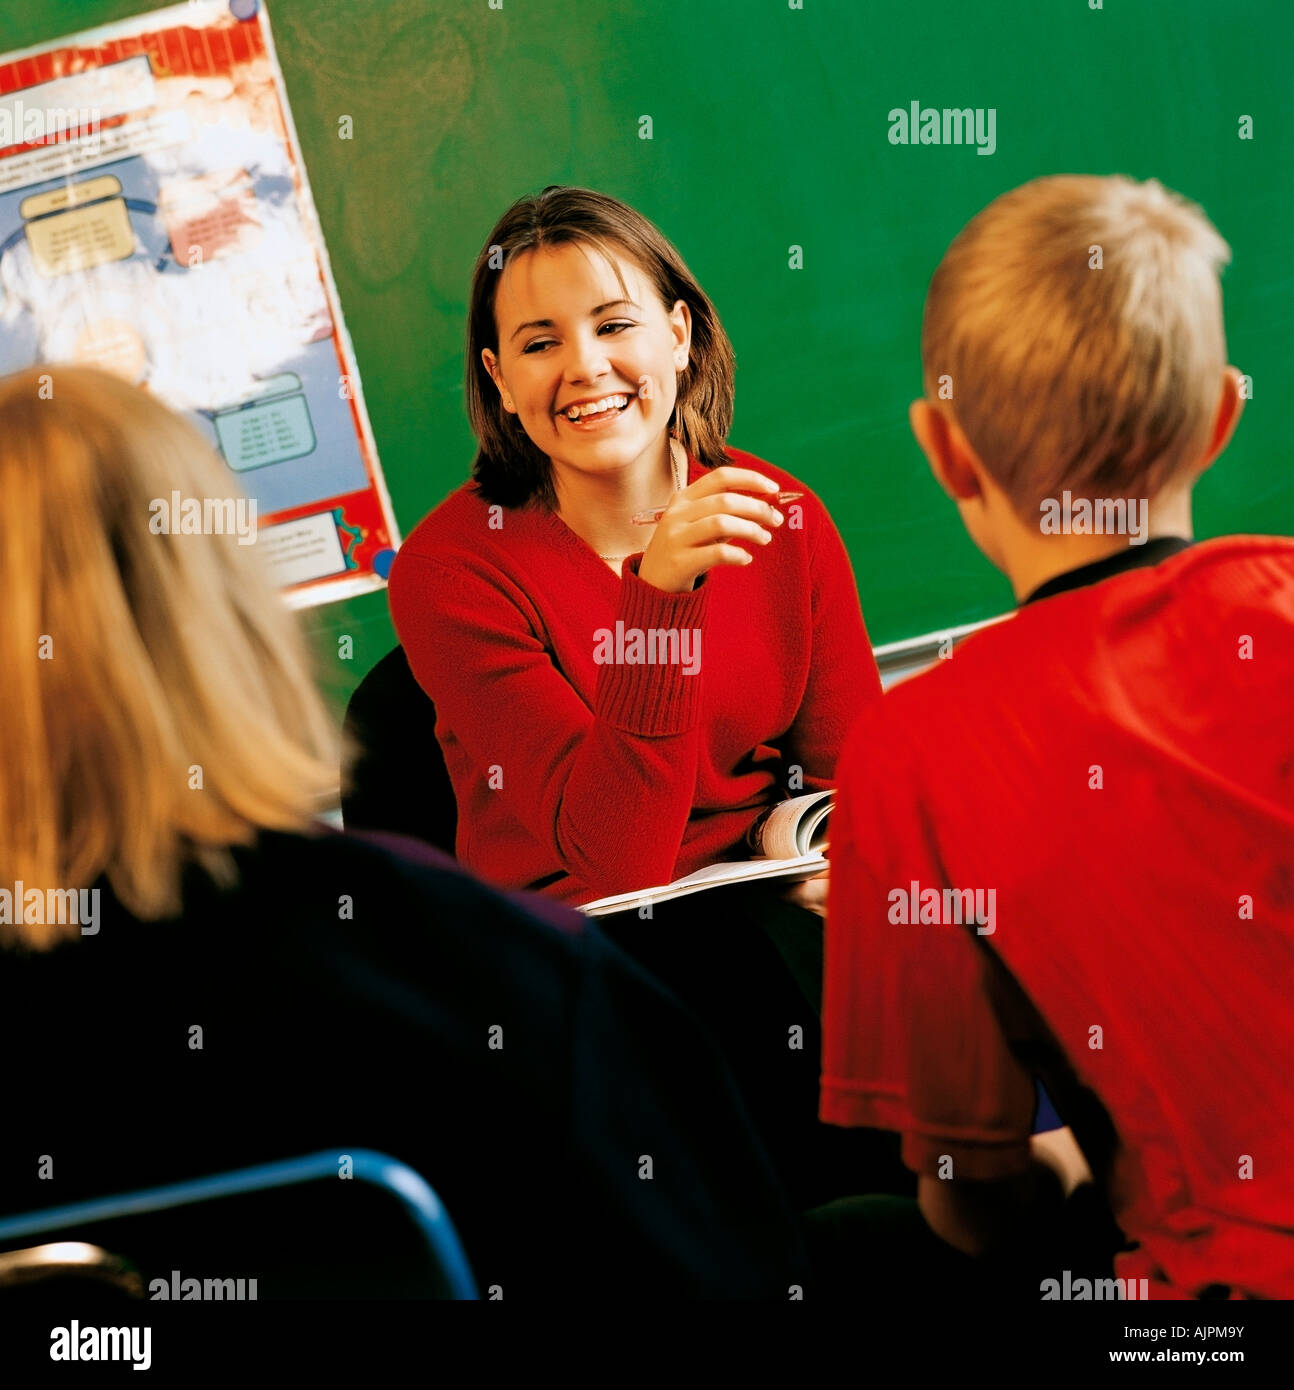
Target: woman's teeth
(578, 412)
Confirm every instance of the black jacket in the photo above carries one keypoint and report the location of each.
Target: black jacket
(327, 1030)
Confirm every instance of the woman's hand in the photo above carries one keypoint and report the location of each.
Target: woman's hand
(810, 893)
(701, 525)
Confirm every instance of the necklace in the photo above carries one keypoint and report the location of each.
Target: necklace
(678, 487)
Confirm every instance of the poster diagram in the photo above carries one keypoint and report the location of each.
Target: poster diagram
(156, 221)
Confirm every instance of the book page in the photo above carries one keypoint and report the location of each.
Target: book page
(712, 876)
(797, 826)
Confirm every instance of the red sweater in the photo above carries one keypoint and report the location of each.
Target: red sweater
(582, 777)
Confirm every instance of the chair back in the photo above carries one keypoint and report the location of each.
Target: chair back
(398, 780)
(287, 1229)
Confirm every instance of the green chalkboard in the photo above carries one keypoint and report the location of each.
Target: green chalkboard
(770, 129)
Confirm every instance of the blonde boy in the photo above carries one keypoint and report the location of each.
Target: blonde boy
(1115, 764)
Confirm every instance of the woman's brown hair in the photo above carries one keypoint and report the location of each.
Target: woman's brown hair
(509, 469)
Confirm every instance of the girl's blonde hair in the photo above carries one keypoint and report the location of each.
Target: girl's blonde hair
(1077, 322)
(158, 704)
(509, 468)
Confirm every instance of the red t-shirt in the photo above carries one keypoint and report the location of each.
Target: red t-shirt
(1111, 773)
(581, 770)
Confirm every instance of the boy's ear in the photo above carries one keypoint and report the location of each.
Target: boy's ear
(946, 450)
(1230, 404)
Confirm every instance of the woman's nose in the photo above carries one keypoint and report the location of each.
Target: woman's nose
(587, 359)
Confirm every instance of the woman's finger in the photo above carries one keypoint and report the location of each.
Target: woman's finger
(723, 554)
(722, 527)
(735, 504)
(730, 477)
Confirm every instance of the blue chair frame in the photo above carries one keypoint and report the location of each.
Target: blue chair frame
(380, 1170)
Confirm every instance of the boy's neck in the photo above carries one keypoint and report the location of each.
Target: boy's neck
(1030, 558)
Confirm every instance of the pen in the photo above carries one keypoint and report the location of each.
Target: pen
(655, 514)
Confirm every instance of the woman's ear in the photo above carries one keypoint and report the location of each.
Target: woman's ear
(951, 458)
(680, 321)
(492, 366)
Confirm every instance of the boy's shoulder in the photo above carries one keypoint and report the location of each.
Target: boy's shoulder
(1026, 682)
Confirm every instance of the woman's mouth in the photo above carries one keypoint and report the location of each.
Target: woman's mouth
(593, 415)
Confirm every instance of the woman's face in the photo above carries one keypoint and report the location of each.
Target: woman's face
(569, 335)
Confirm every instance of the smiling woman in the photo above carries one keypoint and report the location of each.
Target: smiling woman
(600, 387)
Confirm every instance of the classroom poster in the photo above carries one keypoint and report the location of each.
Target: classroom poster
(156, 220)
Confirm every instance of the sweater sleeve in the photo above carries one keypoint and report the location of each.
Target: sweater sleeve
(843, 679)
(606, 790)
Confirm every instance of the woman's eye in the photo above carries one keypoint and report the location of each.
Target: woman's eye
(616, 326)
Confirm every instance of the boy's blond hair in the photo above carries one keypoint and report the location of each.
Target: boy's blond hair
(1078, 322)
(130, 659)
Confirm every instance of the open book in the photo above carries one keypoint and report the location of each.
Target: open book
(788, 840)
